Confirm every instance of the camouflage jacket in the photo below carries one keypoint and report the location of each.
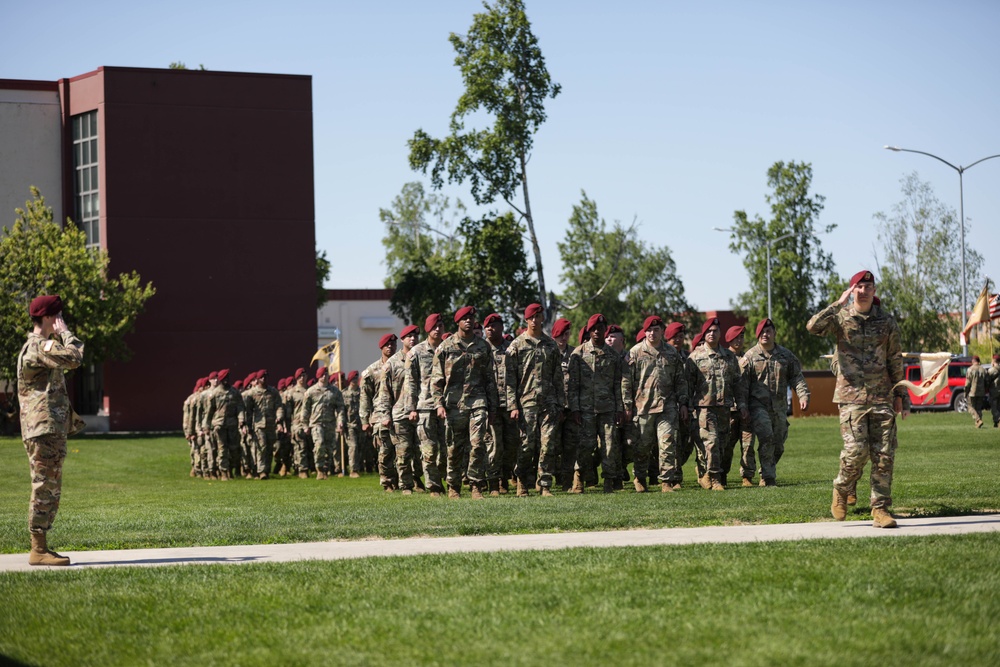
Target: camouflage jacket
(500, 370)
(419, 365)
(534, 374)
(715, 378)
(595, 380)
(994, 376)
(768, 375)
(976, 380)
(223, 406)
(567, 356)
(188, 422)
(294, 396)
(352, 401)
(654, 379)
(463, 375)
(371, 381)
(41, 386)
(263, 408)
(323, 405)
(868, 354)
(393, 393)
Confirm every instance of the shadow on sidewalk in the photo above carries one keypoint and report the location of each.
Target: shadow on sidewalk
(204, 560)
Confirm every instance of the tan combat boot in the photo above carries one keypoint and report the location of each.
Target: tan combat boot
(522, 490)
(577, 483)
(882, 519)
(476, 493)
(494, 486)
(666, 487)
(320, 474)
(453, 493)
(839, 507)
(639, 484)
(355, 475)
(852, 497)
(303, 475)
(747, 482)
(546, 493)
(40, 554)
(716, 483)
(705, 482)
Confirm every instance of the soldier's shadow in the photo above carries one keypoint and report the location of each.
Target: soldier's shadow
(195, 560)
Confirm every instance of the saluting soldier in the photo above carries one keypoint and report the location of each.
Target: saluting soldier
(716, 384)
(769, 370)
(536, 399)
(372, 418)
(870, 366)
(976, 391)
(323, 410)
(465, 394)
(595, 403)
(46, 416)
(504, 433)
(568, 431)
(401, 422)
(655, 390)
(420, 402)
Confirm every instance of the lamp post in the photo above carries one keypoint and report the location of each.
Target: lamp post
(767, 246)
(961, 215)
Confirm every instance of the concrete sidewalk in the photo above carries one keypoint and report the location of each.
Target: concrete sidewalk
(336, 550)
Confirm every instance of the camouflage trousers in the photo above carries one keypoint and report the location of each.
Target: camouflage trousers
(283, 451)
(770, 428)
(404, 443)
(264, 443)
(689, 443)
(227, 448)
(431, 437)
(507, 438)
(465, 435)
(735, 436)
(977, 404)
(206, 453)
(46, 454)
(995, 406)
(369, 454)
(353, 437)
(538, 453)
(386, 453)
(713, 434)
(869, 433)
(302, 448)
(655, 451)
(324, 437)
(248, 452)
(599, 443)
(567, 444)
(195, 458)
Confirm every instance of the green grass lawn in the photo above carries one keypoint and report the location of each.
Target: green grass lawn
(135, 492)
(903, 601)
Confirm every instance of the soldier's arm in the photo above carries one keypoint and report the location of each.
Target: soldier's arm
(573, 400)
(411, 385)
(510, 361)
(894, 366)
(681, 382)
(742, 391)
(438, 378)
(616, 386)
(341, 409)
(367, 393)
(825, 322)
(65, 353)
(797, 379)
(557, 379)
(628, 382)
(492, 395)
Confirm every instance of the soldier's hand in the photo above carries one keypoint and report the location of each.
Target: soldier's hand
(340, 430)
(59, 325)
(442, 413)
(844, 297)
(897, 406)
(514, 414)
(803, 404)
(365, 427)
(628, 415)
(387, 422)
(414, 416)
(577, 417)
(744, 414)
(684, 412)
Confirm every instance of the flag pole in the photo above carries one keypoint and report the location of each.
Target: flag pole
(342, 437)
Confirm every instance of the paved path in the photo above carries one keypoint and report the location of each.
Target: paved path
(336, 550)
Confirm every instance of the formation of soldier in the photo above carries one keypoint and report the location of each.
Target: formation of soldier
(982, 390)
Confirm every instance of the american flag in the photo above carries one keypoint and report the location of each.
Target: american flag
(995, 306)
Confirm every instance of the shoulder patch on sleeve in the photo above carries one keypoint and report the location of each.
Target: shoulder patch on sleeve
(48, 345)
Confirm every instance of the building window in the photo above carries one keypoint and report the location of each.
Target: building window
(85, 186)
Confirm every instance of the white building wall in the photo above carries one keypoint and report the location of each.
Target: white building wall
(30, 151)
(361, 324)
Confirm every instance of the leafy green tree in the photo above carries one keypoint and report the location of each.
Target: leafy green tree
(920, 271)
(615, 273)
(801, 271)
(323, 267)
(37, 256)
(496, 277)
(506, 83)
(418, 230)
(179, 65)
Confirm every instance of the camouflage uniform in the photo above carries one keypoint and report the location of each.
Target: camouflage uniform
(716, 385)
(994, 375)
(768, 376)
(504, 435)
(283, 447)
(595, 393)
(324, 411)
(302, 445)
(403, 433)
(206, 446)
(223, 407)
(976, 393)
(535, 387)
(687, 433)
(352, 432)
(248, 441)
(430, 427)
(654, 386)
(191, 432)
(263, 410)
(371, 381)
(869, 364)
(568, 435)
(46, 417)
(464, 384)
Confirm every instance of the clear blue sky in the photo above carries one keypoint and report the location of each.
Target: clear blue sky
(670, 111)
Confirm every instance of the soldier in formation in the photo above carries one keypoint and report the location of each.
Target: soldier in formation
(976, 390)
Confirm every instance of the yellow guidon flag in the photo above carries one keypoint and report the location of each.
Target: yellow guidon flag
(933, 374)
(980, 312)
(330, 355)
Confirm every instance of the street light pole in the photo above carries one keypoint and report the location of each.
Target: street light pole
(767, 246)
(961, 213)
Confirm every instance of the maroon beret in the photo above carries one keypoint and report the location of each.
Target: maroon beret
(214, 375)
(281, 384)
(508, 337)
(733, 332)
(238, 384)
(640, 336)
(532, 310)
(696, 341)
(614, 328)
(45, 305)
(446, 335)
(583, 330)
(490, 318)
(559, 328)
(248, 379)
(432, 321)
(862, 277)
(763, 323)
(262, 373)
(463, 312)
(594, 320)
(673, 329)
(320, 372)
(289, 381)
(386, 339)
(709, 323)
(199, 384)
(652, 320)
(299, 372)
(311, 382)
(352, 376)
(223, 374)
(409, 331)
